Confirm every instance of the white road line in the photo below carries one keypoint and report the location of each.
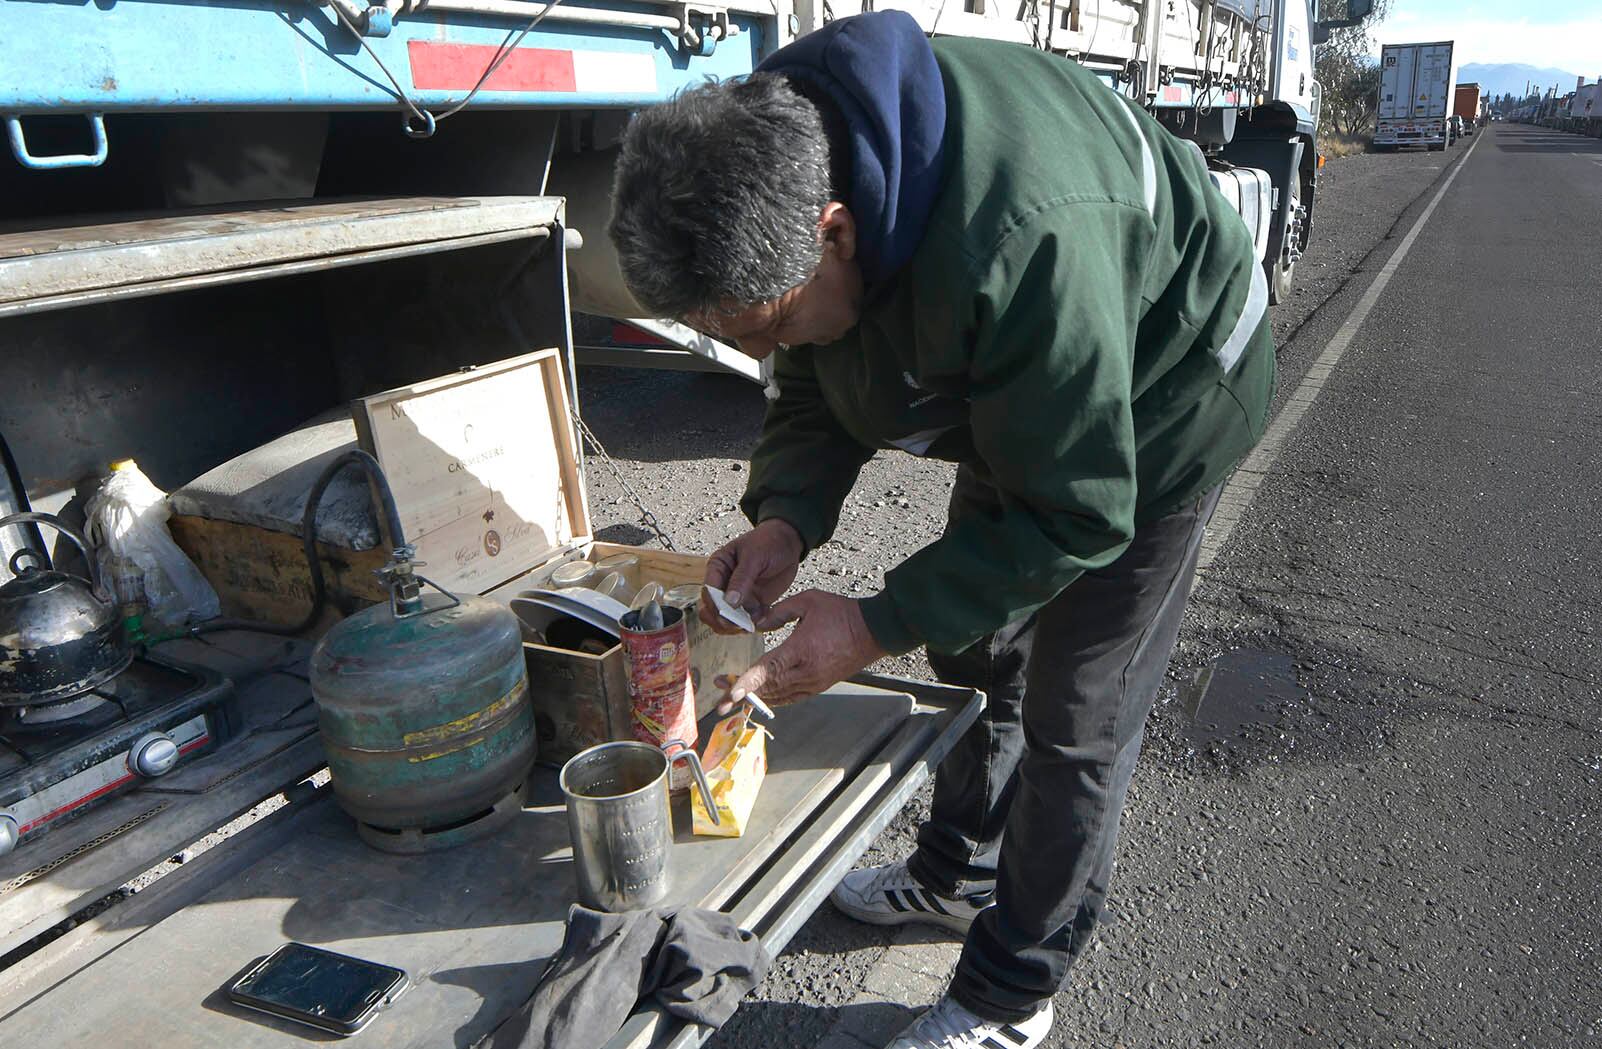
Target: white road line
(1242, 487)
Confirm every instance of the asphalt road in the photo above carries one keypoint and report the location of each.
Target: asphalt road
(1367, 814)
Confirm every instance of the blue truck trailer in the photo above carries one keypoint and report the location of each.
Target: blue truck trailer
(145, 106)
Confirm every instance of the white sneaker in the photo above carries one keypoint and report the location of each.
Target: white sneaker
(889, 895)
(948, 1025)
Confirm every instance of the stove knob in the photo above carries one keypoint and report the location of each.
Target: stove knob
(8, 832)
(153, 754)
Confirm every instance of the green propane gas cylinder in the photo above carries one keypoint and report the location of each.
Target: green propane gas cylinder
(424, 709)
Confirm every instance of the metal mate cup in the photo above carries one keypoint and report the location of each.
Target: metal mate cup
(620, 823)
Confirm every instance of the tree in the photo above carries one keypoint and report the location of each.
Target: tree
(1345, 68)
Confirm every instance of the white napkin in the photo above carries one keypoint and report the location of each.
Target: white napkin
(738, 616)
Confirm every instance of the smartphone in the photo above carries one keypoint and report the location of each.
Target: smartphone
(334, 992)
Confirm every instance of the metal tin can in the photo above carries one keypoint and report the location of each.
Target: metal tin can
(661, 699)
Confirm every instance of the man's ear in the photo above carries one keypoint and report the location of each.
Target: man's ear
(836, 227)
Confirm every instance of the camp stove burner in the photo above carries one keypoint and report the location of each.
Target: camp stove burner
(80, 710)
(59, 759)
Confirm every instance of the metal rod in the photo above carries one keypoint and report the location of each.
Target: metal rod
(561, 13)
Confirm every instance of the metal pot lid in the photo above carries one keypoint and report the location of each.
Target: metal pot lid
(35, 581)
(52, 610)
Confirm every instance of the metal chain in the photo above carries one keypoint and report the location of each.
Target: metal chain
(598, 449)
(400, 92)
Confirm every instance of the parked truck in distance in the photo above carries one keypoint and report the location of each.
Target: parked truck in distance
(1468, 103)
(1578, 112)
(1583, 115)
(1415, 96)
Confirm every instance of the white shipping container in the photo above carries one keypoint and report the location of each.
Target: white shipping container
(1417, 87)
(1416, 81)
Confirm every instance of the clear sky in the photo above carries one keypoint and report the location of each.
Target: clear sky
(1562, 34)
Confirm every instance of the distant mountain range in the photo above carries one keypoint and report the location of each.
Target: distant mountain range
(1511, 77)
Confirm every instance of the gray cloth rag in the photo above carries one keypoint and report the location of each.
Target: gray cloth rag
(696, 964)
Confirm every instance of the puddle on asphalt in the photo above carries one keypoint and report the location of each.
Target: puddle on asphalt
(1244, 688)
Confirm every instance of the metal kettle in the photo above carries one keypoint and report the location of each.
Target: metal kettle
(58, 636)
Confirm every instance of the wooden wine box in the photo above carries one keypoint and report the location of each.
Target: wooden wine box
(487, 476)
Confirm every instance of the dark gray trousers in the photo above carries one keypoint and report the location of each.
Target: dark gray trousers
(1028, 803)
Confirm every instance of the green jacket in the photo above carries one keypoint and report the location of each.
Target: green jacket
(1083, 323)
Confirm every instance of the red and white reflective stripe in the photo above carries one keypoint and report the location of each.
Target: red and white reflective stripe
(96, 781)
(1184, 93)
(438, 66)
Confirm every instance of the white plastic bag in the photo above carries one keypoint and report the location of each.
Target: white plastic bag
(127, 520)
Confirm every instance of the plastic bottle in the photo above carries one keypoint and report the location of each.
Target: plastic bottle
(127, 522)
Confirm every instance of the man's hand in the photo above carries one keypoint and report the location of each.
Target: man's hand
(753, 571)
(830, 643)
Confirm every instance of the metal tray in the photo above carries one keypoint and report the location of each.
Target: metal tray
(474, 926)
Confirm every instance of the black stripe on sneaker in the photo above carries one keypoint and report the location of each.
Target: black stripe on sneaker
(934, 901)
(991, 1043)
(1017, 1036)
(915, 898)
(890, 894)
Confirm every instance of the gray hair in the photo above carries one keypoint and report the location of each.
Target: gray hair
(718, 195)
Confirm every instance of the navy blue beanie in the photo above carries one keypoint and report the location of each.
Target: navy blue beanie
(881, 73)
